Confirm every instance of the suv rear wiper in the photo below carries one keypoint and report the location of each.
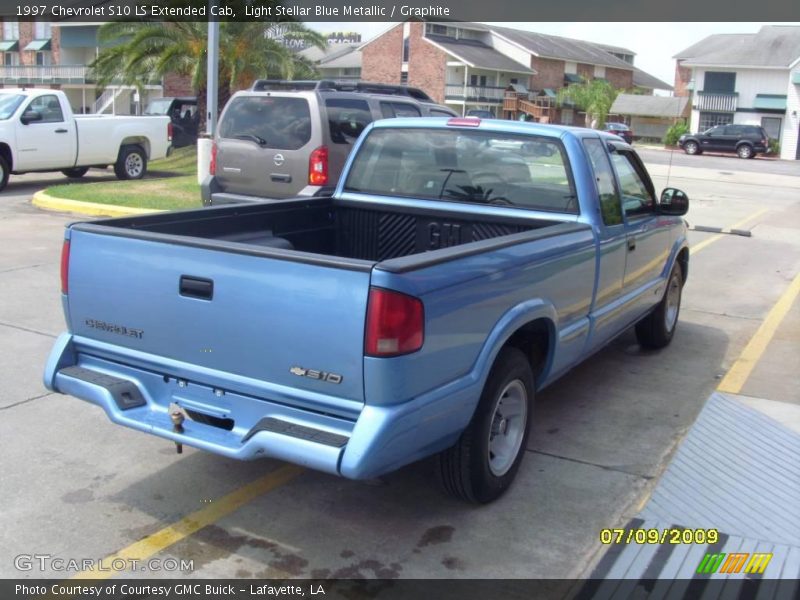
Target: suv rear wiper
(251, 137)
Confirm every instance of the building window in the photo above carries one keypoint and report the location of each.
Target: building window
(405, 49)
(404, 78)
(712, 119)
(10, 59)
(43, 58)
(772, 125)
(719, 82)
(42, 30)
(477, 80)
(10, 29)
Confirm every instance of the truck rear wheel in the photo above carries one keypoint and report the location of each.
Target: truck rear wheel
(76, 173)
(4, 172)
(480, 467)
(656, 329)
(131, 163)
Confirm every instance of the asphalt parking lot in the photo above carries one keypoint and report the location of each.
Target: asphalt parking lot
(75, 486)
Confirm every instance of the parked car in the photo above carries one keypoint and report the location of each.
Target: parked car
(620, 129)
(481, 113)
(417, 311)
(38, 132)
(183, 115)
(745, 140)
(291, 138)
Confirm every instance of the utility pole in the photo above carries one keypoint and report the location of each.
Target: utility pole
(213, 70)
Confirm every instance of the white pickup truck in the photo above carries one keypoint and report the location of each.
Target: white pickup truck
(39, 132)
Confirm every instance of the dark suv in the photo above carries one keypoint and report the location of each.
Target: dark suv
(282, 139)
(744, 140)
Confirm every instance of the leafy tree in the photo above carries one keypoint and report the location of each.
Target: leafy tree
(595, 97)
(139, 53)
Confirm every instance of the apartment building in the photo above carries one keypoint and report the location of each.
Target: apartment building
(750, 79)
(56, 56)
(473, 65)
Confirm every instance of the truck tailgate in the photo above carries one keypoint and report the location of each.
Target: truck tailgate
(284, 322)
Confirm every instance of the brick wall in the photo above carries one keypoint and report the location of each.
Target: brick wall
(586, 71)
(26, 37)
(620, 78)
(549, 73)
(55, 45)
(177, 85)
(427, 65)
(683, 75)
(382, 58)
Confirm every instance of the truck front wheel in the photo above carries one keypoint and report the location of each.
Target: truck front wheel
(4, 172)
(131, 163)
(657, 328)
(480, 467)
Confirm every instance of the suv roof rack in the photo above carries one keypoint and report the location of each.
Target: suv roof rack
(329, 85)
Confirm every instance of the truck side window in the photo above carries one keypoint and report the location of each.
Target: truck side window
(347, 119)
(636, 198)
(49, 107)
(604, 177)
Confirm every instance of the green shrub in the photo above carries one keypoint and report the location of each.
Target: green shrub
(774, 147)
(674, 132)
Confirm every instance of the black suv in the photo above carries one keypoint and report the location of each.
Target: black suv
(744, 140)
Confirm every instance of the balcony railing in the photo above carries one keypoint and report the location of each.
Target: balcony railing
(19, 74)
(716, 102)
(474, 93)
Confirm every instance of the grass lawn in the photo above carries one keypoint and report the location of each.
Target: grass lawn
(169, 184)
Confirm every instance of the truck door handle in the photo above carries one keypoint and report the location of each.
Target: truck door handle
(197, 287)
(61, 131)
(631, 244)
(281, 178)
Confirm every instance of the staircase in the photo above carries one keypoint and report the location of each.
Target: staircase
(106, 100)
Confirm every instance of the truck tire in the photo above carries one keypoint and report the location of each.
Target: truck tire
(131, 163)
(657, 328)
(5, 171)
(745, 151)
(691, 147)
(76, 173)
(480, 467)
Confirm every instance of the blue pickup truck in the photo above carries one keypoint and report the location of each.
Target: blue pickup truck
(460, 267)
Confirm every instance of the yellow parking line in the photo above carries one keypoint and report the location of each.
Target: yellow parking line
(166, 537)
(707, 242)
(737, 375)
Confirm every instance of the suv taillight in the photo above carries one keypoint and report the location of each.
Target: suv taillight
(170, 129)
(65, 267)
(212, 164)
(318, 166)
(395, 323)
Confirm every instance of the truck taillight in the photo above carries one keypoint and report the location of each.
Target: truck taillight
(65, 267)
(318, 166)
(395, 323)
(212, 164)
(169, 132)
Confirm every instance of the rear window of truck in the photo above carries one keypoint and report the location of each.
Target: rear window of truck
(461, 165)
(269, 121)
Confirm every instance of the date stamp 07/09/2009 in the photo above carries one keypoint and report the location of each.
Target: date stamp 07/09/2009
(658, 536)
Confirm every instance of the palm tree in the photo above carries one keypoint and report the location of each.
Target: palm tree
(139, 53)
(595, 97)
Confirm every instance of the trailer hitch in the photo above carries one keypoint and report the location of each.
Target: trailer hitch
(177, 416)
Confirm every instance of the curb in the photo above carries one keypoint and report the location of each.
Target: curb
(92, 209)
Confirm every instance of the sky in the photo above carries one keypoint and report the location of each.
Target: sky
(654, 43)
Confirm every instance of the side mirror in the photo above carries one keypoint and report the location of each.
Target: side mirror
(674, 202)
(29, 116)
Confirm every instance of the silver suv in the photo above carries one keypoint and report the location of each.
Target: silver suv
(282, 139)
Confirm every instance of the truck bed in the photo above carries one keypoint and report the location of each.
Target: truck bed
(328, 229)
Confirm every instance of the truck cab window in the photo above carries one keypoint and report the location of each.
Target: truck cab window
(636, 198)
(49, 107)
(604, 178)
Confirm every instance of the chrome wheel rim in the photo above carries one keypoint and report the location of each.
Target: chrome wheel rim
(507, 429)
(134, 165)
(691, 148)
(744, 151)
(673, 302)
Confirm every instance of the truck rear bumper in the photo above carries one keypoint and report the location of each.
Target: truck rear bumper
(381, 439)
